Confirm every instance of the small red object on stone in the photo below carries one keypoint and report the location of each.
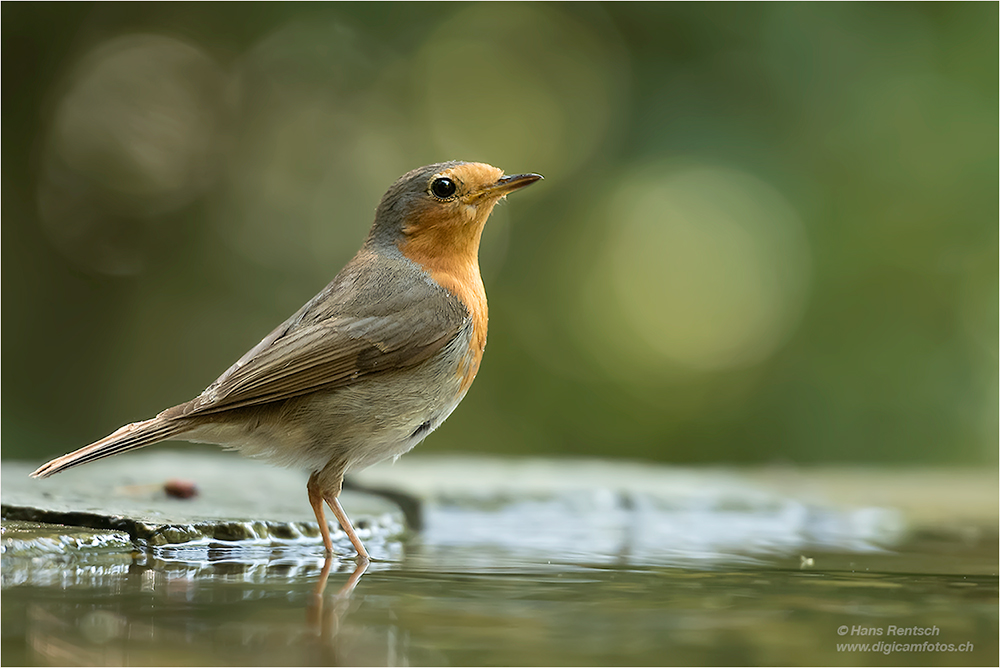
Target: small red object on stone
(180, 489)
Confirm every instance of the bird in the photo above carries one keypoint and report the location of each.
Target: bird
(367, 368)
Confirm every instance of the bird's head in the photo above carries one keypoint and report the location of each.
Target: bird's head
(441, 209)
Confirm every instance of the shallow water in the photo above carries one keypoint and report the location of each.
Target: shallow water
(683, 571)
(465, 605)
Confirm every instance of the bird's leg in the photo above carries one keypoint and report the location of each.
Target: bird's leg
(316, 501)
(345, 524)
(320, 490)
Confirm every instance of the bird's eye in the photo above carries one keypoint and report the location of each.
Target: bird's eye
(443, 188)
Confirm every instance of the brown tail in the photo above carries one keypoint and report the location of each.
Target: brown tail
(130, 437)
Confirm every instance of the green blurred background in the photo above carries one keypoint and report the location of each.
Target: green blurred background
(768, 233)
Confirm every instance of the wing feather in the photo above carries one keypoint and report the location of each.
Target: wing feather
(342, 335)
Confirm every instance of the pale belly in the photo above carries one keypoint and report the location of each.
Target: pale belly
(376, 418)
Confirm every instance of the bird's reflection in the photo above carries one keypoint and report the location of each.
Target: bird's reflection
(325, 619)
(120, 629)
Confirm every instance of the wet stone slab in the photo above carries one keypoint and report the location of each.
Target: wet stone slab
(508, 510)
(501, 513)
(36, 539)
(166, 498)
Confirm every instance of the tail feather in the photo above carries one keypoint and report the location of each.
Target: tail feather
(130, 437)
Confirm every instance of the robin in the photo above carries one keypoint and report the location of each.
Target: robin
(368, 367)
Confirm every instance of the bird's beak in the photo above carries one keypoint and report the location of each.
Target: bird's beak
(507, 184)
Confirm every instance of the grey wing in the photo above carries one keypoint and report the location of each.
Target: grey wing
(317, 349)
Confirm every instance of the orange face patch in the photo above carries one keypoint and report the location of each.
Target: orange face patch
(443, 237)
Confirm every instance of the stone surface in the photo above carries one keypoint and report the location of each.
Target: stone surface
(35, 539)
(598, 511)
(235, 500)
(498, 512)
(926, 497)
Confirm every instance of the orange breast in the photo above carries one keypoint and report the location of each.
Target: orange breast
(455, 267)
(473, 295)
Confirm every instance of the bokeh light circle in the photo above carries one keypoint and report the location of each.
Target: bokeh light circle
(137, 131)
(141, 117)
(529, 88)
(709, 267)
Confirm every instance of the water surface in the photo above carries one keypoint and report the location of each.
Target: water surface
(561, 574)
